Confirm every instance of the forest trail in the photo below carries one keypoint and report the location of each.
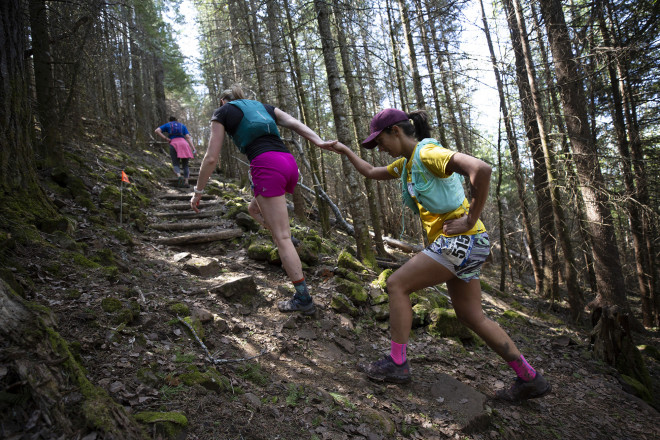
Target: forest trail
(272, 376)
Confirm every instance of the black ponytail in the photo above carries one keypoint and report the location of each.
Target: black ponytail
(420, 127)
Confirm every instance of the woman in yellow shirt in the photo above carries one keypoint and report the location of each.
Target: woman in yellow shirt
(459, 242)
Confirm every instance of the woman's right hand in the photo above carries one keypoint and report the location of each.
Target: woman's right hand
(340, 148)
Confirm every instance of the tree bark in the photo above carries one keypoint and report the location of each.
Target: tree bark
(339, 110)
(515, 158)
(607, 265)
(575, 295)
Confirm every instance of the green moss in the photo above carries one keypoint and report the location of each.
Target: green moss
(80, 260)
(104, 256)
(348, 261)
(347, 274)
(179, 309)
(253, 373)
(639, 389)
(260, 251)
(167, 424)
(8, 276)
(73, 293)
(444, 323)
(97, 408)
(196, 324)
(342, 304)
(355, 292)
(511, 316)
(382, 279)
(111, 304)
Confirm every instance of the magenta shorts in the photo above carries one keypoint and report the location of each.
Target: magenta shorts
(273, 174)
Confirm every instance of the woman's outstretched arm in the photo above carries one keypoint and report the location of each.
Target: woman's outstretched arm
(365, 168)
(287, 121)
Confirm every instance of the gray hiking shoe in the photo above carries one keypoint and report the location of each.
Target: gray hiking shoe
(385, 370)
(521, 390)
(295, 305)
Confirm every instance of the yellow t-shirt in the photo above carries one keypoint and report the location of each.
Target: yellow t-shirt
(435, 158)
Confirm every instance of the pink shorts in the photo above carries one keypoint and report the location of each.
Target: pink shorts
(182, 148)
(273, 174)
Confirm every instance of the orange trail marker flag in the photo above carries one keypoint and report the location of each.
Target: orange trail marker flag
(124, 178)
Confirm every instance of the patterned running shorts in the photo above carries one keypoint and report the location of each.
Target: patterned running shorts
(471, 267)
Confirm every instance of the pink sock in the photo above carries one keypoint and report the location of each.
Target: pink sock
(398, 352)
(523, 369)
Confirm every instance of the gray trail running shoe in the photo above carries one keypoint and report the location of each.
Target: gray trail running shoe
(521, 390)
(295, 305)
(385, 370)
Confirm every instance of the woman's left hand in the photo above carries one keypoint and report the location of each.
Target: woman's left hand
(456, 226)
(194, 201)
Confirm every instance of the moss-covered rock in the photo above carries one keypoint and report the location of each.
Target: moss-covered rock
(179, 309)
(444, 323)
(348, 261)
(111, 304)
(209, 379)
(171, 425)
(260, 250)
(234, 209)
(354, 291)
(308, 254)
(380, 299)
(341, 304)
(196, 325)
(381, 312)
(274, 257)
(80, 260)
(420, 315)
(637, 388)
(382, 279)
(347, 274)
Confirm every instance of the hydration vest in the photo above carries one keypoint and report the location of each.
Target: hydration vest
(256, 122)
(436, 194)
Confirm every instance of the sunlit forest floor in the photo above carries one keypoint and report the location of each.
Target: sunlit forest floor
(122, 316)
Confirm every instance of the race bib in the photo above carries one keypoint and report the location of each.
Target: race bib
(457, 249)
(411, 190)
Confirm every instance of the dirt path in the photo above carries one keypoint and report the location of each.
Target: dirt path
(302, 381)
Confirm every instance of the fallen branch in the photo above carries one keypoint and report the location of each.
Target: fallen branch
(405, 247)
(201, 238)
(208, 354)
(182, 226)
(188, 214)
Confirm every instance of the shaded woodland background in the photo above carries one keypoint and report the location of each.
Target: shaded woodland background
(574, 209)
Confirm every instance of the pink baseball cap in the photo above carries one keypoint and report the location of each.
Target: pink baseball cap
(384, 119)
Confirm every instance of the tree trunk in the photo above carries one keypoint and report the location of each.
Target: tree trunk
(632, 204)
(575, 296)
(339, 110)
(412, 55)
(515, 159)
(430, 66)
(43, 79)
(607, 265)
(396, 55)
(360, 128)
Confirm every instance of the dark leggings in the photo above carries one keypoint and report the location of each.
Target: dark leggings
(175, 163)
